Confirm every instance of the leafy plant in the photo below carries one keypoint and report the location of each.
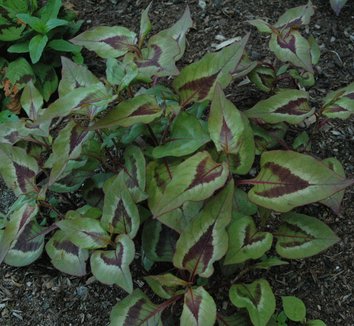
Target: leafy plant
(133, 169)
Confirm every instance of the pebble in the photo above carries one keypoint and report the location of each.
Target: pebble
(82, 292)
(202, 4)
(332, 39)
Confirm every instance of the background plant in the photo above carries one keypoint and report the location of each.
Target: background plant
(134, 168)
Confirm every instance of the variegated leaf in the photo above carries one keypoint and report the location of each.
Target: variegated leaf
(263, 77)
(289, 106)
(199, 308)
(245, 242)
(261, 25)
(158, 241)
(18, 169)
(21, 213)
(334, 201)
(194, 179)
(303, 236)
(339, 103)
(67, 146)
(288, 179)
(31, 100)
(205, 240)
(337, 5)
(186, 136)
(28, 246)
(196, 82)
(106, 41)
(120, 213)
(136, 310)
(145, 24)
(241, 205)
(165, 285)
(84, 232)
(231, 132)
(296, 17)
(257, 298)
(65, 255)
(135, 172)
(112, 266)
(291, 46)
(140, 109)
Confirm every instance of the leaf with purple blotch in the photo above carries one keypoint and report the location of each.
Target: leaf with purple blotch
(296, 17)
(257, 298)
(107, 41)
(205, 240)
(120, 213)
(139, 109)
(165, 285)
(21, 213)
(199, 308)
(291, 46)
(246, 242)
(196, 82)
(28, 246)
(196, 178)
(46, 79)
(288, 179)
(231, 132)
(137, 309)
(301, 236)
(339, 103)
(65, 255)
(288, 105)
(112, 266)
(18, 169)
(31, 100)
(337, 5)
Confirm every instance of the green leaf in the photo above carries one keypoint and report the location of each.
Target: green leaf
(51, 10)
(288, 179)
(196, 82)
(34, 22)
(241, 205)
(303, 236)
(121, 73)
(22, 47)
(245, 242)
(158, 241)
(36, 47)
(233, 320)
(231, 132)
(120, 213)
(257, 298)
(315, 322)
(269, 262)
(263, 77)
(290, 46)
(315, 50)
(106, 41)
(112, 266)
(63, 46)
(9, 32)
(65, 255)
(18, 169)
(21, 213)
(136, 309)
(139, 109)
(84, 232)
(47, 80)
(19, 72)
(145, 24)
(186, 136)
(54, 23)
(199, 308)
(296, 17)
(288, 105)
(261, 25)
(165, 285)
(337, 5)
(28, 246)
(294, 308)
(205, 239)
(31, 100)
(194, 179)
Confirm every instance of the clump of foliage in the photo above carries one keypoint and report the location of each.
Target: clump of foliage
(135, 169)
(32, 39)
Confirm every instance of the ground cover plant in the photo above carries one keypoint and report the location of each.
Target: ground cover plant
(172, 160)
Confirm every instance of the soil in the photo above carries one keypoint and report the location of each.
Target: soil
(40, 295)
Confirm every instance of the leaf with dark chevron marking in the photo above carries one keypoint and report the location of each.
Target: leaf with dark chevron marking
(199, 308)
(296, 17)
(289, 106)
(257, 298)
(31, 100)
(18, 169)
(65, 255)
(137, 309)
(112, 266)
(106, 41)
(302, 236)
(288, 179)
(205, 240)
(196, 82)
(120, 214)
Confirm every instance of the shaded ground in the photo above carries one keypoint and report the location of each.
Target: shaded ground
(39, 295)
